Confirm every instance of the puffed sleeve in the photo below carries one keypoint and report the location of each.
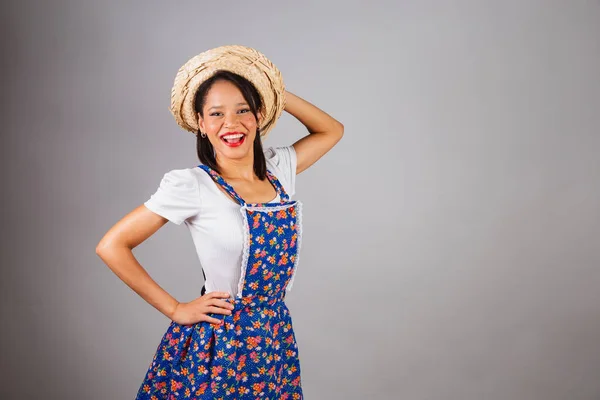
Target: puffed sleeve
(282, 162)
(177, 198)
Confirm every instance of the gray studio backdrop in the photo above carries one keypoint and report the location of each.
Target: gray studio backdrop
(452, 237)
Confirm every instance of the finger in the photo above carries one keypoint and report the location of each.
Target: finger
(220, 295)
(221, 303)
(211, 319)
(218, 310)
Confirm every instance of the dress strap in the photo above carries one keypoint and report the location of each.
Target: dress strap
(278, 187)
(221, 182)
(283, 196)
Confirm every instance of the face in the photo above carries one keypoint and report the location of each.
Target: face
(228, 121)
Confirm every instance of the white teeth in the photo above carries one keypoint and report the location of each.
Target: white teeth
(235, 136)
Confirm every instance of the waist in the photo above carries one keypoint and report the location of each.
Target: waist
(259, 301)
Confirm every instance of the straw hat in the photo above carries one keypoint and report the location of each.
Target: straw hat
(244, 61)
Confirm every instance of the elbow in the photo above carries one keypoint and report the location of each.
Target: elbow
(109, 245)
(101, 248)
(339, 130)
(104, 247)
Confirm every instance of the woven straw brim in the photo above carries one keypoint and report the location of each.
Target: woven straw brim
(244, 61)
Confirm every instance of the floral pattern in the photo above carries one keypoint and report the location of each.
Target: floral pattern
(253, 353)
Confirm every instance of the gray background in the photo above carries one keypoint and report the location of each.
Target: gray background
(452, 237)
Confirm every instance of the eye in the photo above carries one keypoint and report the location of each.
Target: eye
(245, 110)
(215, 114)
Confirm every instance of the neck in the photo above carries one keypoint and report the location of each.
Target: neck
(242, 168)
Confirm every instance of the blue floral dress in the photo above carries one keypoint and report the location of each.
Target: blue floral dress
(253, 354)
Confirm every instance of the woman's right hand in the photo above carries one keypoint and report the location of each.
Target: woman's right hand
(197, 310)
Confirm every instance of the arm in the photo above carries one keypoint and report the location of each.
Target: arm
(324, 131)
(115, 249)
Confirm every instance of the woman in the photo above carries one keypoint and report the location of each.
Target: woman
(236, 340)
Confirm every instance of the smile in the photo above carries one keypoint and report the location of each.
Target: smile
(233, 139)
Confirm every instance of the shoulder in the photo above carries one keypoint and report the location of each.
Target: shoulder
(281, 161)
(181, 180)
(177, 196)
(183, 176)
(279, 156)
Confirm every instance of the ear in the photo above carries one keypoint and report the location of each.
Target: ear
(200, 122)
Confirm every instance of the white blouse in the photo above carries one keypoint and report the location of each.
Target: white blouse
(190, 195)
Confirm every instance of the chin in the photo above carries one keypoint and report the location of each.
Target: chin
(235, 153)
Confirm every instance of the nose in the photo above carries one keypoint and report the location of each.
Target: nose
(231, 120)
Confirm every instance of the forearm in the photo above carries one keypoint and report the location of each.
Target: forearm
(313, 118)
(122, 262)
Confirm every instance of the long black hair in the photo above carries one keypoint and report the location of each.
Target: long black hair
(205, 150)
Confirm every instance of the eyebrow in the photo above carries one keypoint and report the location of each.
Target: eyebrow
(237, 105)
